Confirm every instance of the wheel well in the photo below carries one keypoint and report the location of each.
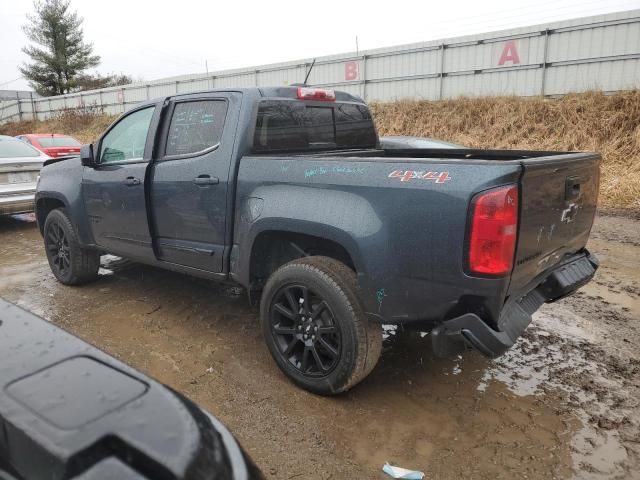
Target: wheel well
(273, 249)
(43, 207)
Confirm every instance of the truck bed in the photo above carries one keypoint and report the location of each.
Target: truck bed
(425, 196)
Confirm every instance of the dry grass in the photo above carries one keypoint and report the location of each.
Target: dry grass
(85, 126)
(609, 124)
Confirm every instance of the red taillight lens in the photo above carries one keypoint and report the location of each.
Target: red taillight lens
(494, 225)
(321, 94)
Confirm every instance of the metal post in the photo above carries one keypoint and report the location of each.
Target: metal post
(442, 48)
(544, 63)
(34, 109)
(213, 81)
(19, 107)
(147, 91)
(101, 101)
(177, 81)
(255, 78)
(364, 78)
(123, 102)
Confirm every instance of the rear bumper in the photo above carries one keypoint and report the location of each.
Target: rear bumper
(470, 331)
(17, 203)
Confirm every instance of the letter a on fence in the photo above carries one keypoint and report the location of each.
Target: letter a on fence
(509, 53)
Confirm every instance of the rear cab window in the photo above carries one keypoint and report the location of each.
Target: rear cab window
(294, 125)
(196, 127)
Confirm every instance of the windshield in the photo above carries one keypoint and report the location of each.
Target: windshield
(17, 149)
(48, 142)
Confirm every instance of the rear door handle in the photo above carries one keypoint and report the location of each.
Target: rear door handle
(206, 180)
(130, 181)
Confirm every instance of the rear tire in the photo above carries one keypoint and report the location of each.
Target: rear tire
(70, 263)
(315, 327)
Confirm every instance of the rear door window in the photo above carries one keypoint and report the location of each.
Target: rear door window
(195, 126)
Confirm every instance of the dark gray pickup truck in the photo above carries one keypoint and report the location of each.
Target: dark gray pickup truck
(287, 192)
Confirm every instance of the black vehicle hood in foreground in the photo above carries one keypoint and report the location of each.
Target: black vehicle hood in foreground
(68, 410)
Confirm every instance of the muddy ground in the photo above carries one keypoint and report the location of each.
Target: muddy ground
(564, 403)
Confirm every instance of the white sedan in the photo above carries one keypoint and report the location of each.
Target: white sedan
(20, 166)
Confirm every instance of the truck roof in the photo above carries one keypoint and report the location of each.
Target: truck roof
(265, 92)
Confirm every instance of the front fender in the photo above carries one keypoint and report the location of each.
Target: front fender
(62, 182)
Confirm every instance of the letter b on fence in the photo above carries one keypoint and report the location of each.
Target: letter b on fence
(351, 71)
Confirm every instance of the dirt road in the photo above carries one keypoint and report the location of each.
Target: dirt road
(565, 402)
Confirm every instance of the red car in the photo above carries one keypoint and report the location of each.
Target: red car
(53, 144)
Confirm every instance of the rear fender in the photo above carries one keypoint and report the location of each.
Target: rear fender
(341, 217)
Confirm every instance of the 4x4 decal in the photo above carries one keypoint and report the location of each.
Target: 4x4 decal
(407, 175)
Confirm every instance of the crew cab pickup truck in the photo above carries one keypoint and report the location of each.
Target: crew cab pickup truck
(286, 192)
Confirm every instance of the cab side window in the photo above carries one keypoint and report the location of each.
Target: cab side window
(127, 139)
(195, 126)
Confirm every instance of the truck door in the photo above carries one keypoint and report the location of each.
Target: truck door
(189, 180)
(114, 190)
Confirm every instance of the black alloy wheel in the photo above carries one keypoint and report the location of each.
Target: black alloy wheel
(315, 327)
(70, 263)
(305, 330)
(58, 249)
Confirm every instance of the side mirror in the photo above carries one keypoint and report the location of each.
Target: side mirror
(86, 155)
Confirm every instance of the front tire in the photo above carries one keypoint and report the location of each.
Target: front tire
(315, 327)
(70, 263)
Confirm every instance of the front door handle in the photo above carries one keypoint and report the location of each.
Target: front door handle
(206, 180)
(130, 181)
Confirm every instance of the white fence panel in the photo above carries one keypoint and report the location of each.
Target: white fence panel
(600, 52)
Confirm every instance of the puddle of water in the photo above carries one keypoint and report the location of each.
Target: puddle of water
(598, 453)
(424, 412)
(542, 360)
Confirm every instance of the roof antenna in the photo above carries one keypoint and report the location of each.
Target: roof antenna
(309, 72)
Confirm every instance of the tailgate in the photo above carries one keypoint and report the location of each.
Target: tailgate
(558, 198)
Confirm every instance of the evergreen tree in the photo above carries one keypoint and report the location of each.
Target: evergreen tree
(60, 53)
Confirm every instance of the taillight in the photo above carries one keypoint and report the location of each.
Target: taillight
(321, 94)
(494, 225)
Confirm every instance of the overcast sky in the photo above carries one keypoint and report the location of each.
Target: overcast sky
(151, 40)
